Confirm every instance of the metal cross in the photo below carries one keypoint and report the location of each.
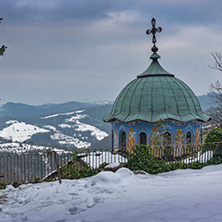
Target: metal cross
(153, 31)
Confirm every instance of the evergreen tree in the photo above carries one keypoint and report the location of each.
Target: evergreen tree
(3, 48)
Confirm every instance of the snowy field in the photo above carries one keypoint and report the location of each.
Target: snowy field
(79, 135)
(20, 131)
(180, 196)
(75, 123)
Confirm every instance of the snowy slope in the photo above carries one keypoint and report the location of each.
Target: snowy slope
(23, 148)
(73, 122)
(68, 130)
(61, 114)
(20, 131)
(178, 196)
(79, 126)
(69, 140)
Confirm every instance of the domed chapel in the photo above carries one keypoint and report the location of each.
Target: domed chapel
(155, 95)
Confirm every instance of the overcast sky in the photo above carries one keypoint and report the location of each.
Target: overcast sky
(88, 50)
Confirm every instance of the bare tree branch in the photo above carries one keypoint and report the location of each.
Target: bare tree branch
(216, 96)
(218, 60)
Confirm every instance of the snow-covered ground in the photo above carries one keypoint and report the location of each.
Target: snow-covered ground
(50, 128)
(99, 134)
(62, 114)
(178, 196)
(66, 139)
(79, 126)
(74, 122)
(72, 130)
(23, 148)
(20, 131)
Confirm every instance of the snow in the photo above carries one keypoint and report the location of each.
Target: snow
(53, 128)
(62, 114)
(65, 125)
(76, 117)
(113, 165)
(20, 131)
(74, 122)
(99, 134)
(65, 139)
(22, 148)
(181, 195)
(11, 122)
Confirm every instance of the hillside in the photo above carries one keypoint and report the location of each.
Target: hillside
(68, 129)
(69, 125)
(206, 101)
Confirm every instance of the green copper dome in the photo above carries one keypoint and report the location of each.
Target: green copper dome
(156, 94)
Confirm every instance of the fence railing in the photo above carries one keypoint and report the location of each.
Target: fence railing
(188, 153)
(34, 166)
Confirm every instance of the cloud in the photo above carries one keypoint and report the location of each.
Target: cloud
(59, 11)
(74, 50)
(29, 11)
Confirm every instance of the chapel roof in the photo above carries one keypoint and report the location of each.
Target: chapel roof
(156, 95)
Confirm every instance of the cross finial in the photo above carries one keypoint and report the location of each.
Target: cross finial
(153, 31)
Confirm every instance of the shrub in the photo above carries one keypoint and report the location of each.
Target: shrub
(142, 158)
(214, 135)
(213, 141)
(2, 185)
(76, 169)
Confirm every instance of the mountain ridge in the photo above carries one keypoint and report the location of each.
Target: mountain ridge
(76, 126)
(68, 125)
(12, 109)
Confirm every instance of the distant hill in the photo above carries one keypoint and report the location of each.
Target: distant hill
(69, 125)
(24, 110)
(206, 101)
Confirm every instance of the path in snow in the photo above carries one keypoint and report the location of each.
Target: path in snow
(181, 195)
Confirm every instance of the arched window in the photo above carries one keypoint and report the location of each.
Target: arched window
(122, 139)
(143, 138)
(166, 139)
(189, 137)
